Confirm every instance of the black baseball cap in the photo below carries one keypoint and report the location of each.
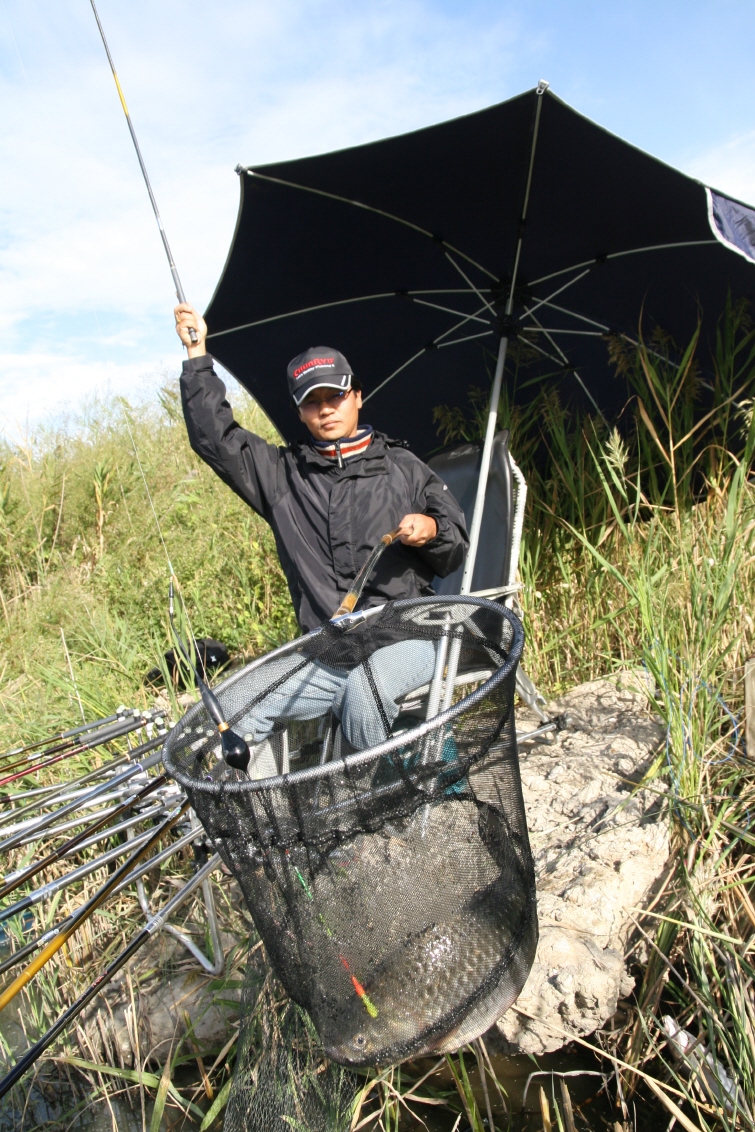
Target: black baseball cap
(316, 367)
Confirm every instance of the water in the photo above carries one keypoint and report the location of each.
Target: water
(52, 1106)
(521, 1077)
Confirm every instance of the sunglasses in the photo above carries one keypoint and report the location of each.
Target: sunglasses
(333, 400)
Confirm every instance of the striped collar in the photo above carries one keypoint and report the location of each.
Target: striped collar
(342, 450)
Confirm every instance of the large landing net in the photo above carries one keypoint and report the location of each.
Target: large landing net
(383, 855)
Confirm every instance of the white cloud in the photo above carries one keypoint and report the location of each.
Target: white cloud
(207, 86)
(83, 279)
(60, 387)
(729, 167)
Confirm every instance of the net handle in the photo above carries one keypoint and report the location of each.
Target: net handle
(354, 594)
(308, 774)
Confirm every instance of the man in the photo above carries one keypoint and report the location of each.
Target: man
(329, 499)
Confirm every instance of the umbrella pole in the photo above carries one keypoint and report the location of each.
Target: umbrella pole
(487, 455)
(495, 397)
(474, 535)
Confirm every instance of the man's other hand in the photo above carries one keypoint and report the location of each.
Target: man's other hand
(416, 530)
(187, 318)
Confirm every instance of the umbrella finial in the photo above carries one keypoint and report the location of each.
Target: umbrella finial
(542, 86)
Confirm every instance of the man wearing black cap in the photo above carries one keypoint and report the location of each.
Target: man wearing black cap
(329, 499)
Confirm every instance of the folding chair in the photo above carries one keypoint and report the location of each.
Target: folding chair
(498, 549)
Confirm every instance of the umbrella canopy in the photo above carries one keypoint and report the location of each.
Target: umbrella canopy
(401, 254)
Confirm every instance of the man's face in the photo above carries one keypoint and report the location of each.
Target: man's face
(331, 414)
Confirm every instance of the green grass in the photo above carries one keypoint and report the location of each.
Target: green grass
(639, 549)
(80, 552)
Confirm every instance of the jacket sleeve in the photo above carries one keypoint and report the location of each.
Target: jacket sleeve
(446, 552)
(244, 461)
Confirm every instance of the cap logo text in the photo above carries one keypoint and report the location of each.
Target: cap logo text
(314, 363)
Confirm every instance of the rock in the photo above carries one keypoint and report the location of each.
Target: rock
(176, 986)
(599, 851)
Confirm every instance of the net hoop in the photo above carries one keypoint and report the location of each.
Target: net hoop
(359, 758)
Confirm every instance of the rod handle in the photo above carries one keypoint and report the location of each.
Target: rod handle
(347, 605)
(182, 299)
(352, 597)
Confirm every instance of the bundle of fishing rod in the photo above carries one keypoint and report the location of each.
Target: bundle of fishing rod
(378, 835)
(120, 819)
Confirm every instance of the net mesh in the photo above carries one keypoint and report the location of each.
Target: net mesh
(383, 855)
(282, 1080)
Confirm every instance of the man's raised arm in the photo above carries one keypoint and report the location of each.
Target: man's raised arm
(245, 462)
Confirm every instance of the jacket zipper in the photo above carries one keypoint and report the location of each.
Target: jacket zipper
(338, 453)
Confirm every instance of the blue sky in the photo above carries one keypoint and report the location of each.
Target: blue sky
(85, 293)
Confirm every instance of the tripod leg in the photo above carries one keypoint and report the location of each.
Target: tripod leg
(529, 694)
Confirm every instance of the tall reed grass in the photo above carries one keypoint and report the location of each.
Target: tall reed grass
(83, 574)
(83, 618)
(640, 549)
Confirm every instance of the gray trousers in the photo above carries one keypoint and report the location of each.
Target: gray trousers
(316, 688)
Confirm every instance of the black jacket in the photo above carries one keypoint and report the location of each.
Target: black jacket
(326, 519)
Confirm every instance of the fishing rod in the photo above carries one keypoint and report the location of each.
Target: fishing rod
(70, 753)
(153, 925)
(13, 882)
(140, 870)
(36, 791)
(14, 796)
(102, 735)
(114, 732)
(121, 797)
(51, 832)
(58, 787)
(235, 749)
(160, 806)
(86, 910)
(30, 831)
(45, 891)
(63, 792)
(355, 592)
(64, 734)
(124, 801)
(53, 886)
(173, 270)
(80, 800)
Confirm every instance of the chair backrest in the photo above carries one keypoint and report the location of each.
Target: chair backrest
(460, 469)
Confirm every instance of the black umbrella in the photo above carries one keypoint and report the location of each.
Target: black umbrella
(359, 249)
(421, 255)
